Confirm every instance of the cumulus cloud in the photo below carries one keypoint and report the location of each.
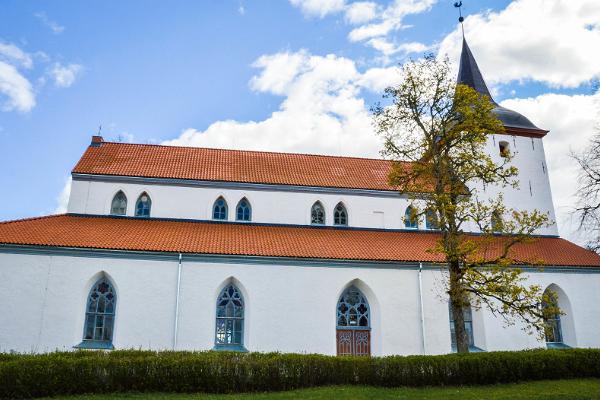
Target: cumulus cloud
(361, 12)
(553, 42)
(319, 8)
(54, 26)
(572, 121)
(62, 201)
(321, 111)
(65, 75)
(16, 92)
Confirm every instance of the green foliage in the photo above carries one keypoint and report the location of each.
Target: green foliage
(54, 374)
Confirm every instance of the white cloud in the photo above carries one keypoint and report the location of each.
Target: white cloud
(50, 24)
(361, 12)
(572, 121)
(14, 55)
(62, 201)
(388, 49)
(319, 8)
(554, 42)
(321, 112)
(16, 88)
(65, 75)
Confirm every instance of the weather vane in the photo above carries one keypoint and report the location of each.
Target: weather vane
(458, 5)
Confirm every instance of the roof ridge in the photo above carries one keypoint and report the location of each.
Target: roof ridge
(244, 151)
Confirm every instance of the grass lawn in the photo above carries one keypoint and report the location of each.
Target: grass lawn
(564, 390)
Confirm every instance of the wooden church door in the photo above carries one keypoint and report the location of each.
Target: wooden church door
(353, 334)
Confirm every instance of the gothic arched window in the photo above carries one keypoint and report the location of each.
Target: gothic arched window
(317, 214)
(410, 218)
(119, 204)
(100, 315)
(552, 325)
(353, 323)
(230, 318)
(243, 211)
(340, 215)
(431, 220)
(220, 209)
(143, 205)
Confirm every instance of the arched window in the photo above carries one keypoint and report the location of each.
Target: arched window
(230, 319)
(497, 223)
(504, 148)
(317, 214)
(431, 220)
(220, 209)
(552, 325)
(468, 317)
(100, 316)
(340, 215)
(411, 219)
(353, 323)
(243, 211)
(119, 204)
(143, 205)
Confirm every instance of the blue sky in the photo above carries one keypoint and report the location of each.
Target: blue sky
(240, 74)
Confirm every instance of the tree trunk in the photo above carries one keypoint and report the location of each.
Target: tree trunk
(458, 303)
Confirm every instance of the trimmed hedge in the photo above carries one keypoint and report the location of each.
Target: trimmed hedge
(66, 373)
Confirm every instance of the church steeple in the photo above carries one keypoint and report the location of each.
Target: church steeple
(469, 73)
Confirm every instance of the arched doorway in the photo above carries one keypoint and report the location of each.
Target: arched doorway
(353, 324)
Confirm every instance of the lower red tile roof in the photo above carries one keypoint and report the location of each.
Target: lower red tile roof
(155, 235)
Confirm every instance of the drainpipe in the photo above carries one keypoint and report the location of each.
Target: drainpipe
(177, 303)
(422, 311)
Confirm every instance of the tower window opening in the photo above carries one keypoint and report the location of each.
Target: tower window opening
(514, 142)
(532, 144)
(504, 149)
(543, 168)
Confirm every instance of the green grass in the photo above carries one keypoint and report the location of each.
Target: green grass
(547, 390)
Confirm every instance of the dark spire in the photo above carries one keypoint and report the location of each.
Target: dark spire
(469, 74)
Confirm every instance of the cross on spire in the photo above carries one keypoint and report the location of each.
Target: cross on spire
(458, 5)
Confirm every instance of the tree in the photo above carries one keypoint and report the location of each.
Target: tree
(588, 193)
(436, 131)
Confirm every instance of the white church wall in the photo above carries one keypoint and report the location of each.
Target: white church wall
(289, 308)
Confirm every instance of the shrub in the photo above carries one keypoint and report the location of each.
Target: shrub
(66, 373)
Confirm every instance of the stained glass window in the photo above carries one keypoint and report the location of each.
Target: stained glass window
(353, 309)
(143, 205)
(220, 209)
(230, 317)
(410, 218)
(317, 214)
(100, 312)
(243, 210)
(119, 204)
(340, 215)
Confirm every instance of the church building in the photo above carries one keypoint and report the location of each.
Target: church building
(185, 248)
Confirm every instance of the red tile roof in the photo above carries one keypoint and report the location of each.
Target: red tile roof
(157, 235)
(195, 163)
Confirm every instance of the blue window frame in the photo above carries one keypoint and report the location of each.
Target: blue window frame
(552, 325)
(431, 220)
(220, 209)
(143, 205)
(243, 211)
(100, 316)
(317, 214)
(468, 317)
(119, 204)
(229, 333)
(340, 215)
(353, 310)
(411, 219)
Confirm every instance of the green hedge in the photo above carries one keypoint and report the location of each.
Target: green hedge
(65, 373)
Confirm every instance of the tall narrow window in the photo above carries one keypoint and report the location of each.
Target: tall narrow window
(317, 214)
(220, 209)
(431, 220)
(100, 316)
(230, 319)
(468, 317)
(410, 218)
(143, 205)
(119, 204)
(340, 215)
(504, 149)
(353, 324)
(243, 210)
(552, 325)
